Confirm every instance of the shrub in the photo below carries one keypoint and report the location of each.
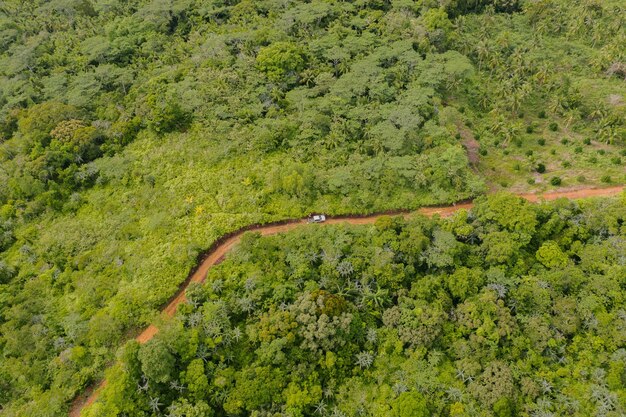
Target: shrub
(581, 178)
(601, 151)
(477, 136)
(541, 142)
(552, 151)
(530, 181)
(506, 152)
(457, 136)
(606, 179)
(587, 141)
(517, 166)
(482, 151)
(622, 152)
(529, 153)
(593, 159)
(541, 168)
(554, 126)
(555, 181)
(566, 164)
(518, 142)
(616, 160)
(530, 129)
(578, 149)
(564, 141)
(542, 114)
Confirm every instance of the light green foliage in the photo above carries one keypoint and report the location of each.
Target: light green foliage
(196, 380)
(551, 256)
(409, 404)
(464, 282)
(279, 60)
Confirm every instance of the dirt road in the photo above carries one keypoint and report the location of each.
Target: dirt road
(223, 247)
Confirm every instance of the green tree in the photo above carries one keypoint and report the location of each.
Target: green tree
(36, 124)
(157, 361)
(196, 380)
(410, 404)
(464, 282)
(279, 60)
(551, 255)
(166, 114)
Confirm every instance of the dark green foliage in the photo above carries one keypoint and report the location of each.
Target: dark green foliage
(554, 126)
(456, 7)
(166, 115)
(541, 142)
(556, 181)
(541, 168)
(6, 272)
(6, 233)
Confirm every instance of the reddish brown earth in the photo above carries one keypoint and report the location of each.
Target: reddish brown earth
(218, 253)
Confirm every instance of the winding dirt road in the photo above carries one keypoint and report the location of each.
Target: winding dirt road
(222, 247)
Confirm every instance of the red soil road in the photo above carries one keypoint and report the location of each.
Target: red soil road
(220, 251)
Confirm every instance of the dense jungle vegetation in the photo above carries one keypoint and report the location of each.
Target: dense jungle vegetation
(512, 309)
(135, 133)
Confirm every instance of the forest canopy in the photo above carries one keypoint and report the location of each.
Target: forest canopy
(134, 134)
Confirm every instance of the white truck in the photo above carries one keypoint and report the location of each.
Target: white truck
(317, 218)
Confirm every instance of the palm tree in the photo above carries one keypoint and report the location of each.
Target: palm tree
(375, 299)
(321, 408)
(570, 115)
(155, 405)
(364, 359)
(482, 53)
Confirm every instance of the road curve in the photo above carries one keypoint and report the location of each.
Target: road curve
(224, 246)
